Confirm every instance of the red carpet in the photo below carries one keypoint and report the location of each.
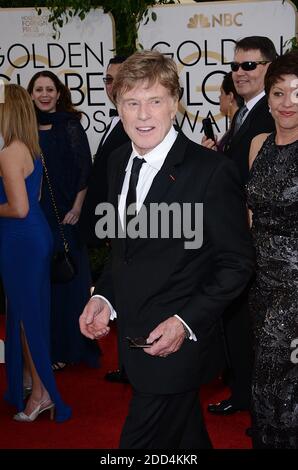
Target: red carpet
(99, 410)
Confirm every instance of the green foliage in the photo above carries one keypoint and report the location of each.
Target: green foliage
(127, 14)
(291, 44)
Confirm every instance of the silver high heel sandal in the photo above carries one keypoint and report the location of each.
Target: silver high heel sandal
(41, 407)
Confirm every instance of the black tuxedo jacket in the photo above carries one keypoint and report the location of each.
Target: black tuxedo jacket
(98, 184)
(148, 280)
(259, 120)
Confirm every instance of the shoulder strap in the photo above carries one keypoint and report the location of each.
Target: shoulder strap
(65, 243)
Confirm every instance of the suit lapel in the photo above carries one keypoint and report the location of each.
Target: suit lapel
(116, 187)
(243, 128)
(120, 174)
(114, 134)
(169, 172)
(102, 139)
(164, 180)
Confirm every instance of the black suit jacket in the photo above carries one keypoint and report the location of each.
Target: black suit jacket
(150, 280)
(259, 120)
(98, 184)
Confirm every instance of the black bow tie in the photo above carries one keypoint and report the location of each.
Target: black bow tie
(113, 112)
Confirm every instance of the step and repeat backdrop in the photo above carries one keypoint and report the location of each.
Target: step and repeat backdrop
(79, 58)
(200, 38)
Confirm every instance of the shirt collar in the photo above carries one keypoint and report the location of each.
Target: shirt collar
(250, 104)
(156, 157)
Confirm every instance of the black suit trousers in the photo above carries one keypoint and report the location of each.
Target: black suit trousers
(238, 333)
(165, 422)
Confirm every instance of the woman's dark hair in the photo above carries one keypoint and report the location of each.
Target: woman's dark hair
(64, 103)
(228, 87)
(286, 64)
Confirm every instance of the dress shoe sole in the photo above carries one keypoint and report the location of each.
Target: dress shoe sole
(227, 410)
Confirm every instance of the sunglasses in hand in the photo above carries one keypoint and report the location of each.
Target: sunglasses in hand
(140, 342)
(248, 65)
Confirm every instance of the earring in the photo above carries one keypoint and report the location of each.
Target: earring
(269, 108)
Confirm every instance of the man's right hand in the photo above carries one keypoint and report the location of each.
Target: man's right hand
(95, 318)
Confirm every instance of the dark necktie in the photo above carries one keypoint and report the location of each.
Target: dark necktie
(131, 197)
(239, 118)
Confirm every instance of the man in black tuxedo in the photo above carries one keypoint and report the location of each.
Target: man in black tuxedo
(113, 137)
(252, 57)
(168, 296)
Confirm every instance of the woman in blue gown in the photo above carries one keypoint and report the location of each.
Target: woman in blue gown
(68, 159)
(25, 252)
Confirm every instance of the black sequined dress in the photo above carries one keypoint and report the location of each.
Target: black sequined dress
(273, 197)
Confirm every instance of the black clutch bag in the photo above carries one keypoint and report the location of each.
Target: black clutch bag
(63, 268)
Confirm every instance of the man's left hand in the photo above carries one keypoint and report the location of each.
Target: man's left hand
(167, 337)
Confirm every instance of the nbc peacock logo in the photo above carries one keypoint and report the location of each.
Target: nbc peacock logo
(220, 19)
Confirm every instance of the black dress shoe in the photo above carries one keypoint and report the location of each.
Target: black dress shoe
(224, 407)
(116, 375)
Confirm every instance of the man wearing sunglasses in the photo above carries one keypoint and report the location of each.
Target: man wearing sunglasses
(252, 57)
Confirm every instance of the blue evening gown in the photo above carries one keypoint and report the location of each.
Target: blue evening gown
(25, 251)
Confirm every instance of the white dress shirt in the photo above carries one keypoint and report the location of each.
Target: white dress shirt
(153, 163)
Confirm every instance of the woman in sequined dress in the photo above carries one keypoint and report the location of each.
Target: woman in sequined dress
(273, 199)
